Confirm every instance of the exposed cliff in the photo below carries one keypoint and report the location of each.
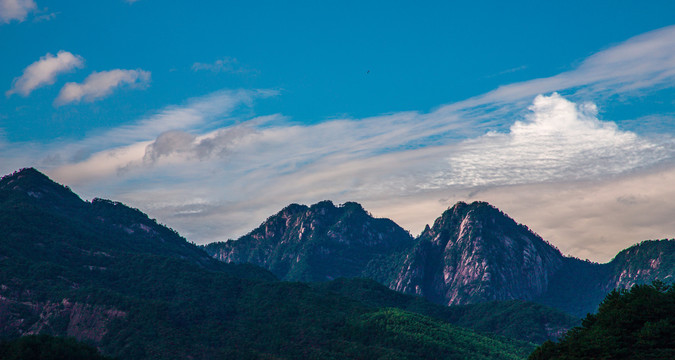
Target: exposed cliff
(316, 243)
(475, 253)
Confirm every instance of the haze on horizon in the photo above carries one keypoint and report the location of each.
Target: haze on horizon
(213, 117)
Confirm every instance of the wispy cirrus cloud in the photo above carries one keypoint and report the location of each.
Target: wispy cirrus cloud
(46, 16)
(15, 10)
(219, 179)
(642, 62)
(44, 72)
(101, 84)
(129, 147)
(226, 65)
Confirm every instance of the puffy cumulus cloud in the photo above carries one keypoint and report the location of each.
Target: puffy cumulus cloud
(168, 143)
(15, 9)
(101, 84)
(44, 72)
(559, 140)
(185, 146)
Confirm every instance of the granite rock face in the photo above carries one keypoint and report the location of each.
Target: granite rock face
(316, 243)
(475, 253)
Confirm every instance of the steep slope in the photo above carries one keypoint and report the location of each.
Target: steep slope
(475, 253)
(642, 264)
(36, 207)
(316, 243)
(580, 286)
(106, 274)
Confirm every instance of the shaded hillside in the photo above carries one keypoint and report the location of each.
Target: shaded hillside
(106, 274)
(51, 215)
(579, 287)
(515, 319)
(45, 347)
(630, 324)
(316, 243)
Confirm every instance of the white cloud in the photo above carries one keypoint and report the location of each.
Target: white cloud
(15, 9)
(44, 72)
(559, 140)
(199, 114)
(101, 84)
(644, 62)
(227, 64)
(45, 17)
(245, 172)
(212, 177)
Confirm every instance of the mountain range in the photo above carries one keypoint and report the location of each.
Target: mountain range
(472, 253)
(474, 285)
(110, 276)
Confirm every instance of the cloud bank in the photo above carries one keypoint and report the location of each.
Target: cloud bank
(213, 173)
(15, 10)
(44, 72)
(559, 140)
(101, 84)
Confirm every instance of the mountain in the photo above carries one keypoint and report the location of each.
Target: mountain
(316, 243)
(580, 286)
(473, 253)
(36, 208)
(108, 275)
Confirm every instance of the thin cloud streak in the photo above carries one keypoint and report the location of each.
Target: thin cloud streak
(220, 181)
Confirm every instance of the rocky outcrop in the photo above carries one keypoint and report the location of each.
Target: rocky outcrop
(316, 243)
(65, 318)
(642, 263)
(475, 253)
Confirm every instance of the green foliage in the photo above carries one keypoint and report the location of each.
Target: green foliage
(514, 319)
(630, 324)
(45, 347)
(170, 300)
(438, 340)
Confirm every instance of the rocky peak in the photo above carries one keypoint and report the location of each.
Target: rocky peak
(473, 253)
(319, 242)
(642, 263)
(35, 184)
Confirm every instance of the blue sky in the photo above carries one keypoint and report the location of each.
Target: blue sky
(211, 117)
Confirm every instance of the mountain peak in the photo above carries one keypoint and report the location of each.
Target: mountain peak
(315, 243)
(37, 185)
(474, 252)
